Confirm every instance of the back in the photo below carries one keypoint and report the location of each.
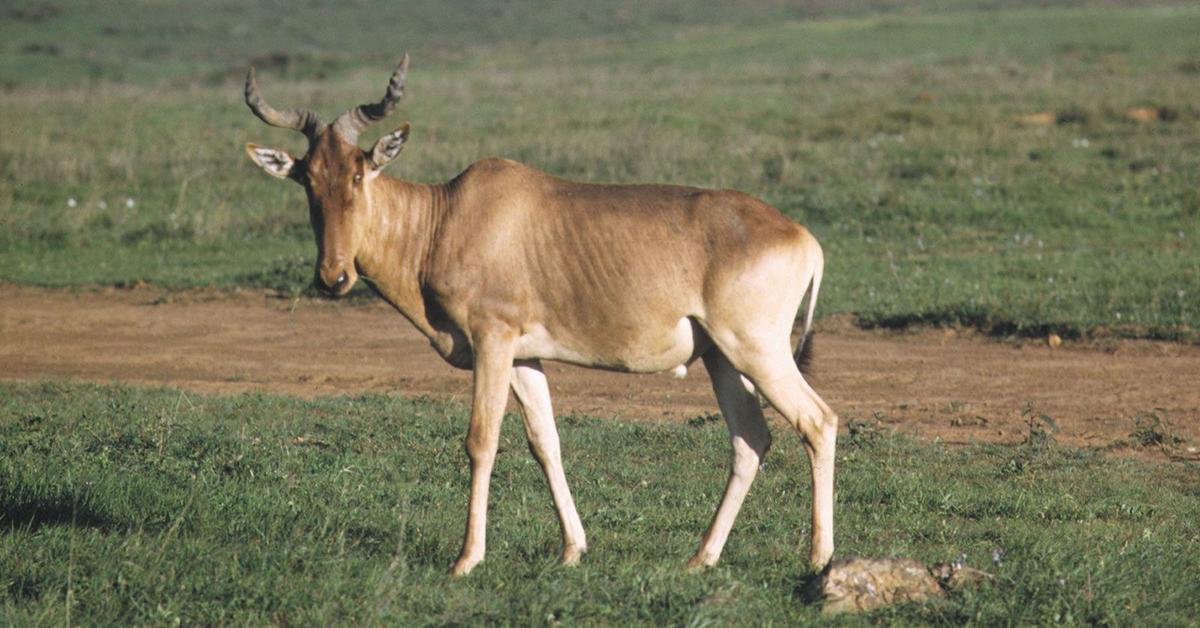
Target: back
(618, 265)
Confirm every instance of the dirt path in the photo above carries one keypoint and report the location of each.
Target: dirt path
(934, 384)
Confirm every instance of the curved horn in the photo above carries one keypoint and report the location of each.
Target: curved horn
(301, 120)
(351, 123)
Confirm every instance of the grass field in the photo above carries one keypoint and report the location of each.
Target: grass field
(963, 163)
(126, 506)
(895, 136)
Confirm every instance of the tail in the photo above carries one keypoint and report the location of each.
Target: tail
(804, 349)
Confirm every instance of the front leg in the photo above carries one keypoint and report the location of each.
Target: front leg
(533, 395)
(492, 375)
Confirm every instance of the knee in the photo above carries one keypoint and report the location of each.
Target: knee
(818, 430)
(829, 423)
(761, 442)
(476, 447)
(543, 451)
(826, 433)
(751, 449)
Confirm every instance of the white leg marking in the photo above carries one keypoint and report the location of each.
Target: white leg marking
(750, 439)
(784, 387)
(492, 374)
(533, 395)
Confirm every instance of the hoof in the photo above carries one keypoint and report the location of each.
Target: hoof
(819, 560)
(464, 565)
(700, 562)
(572, 555)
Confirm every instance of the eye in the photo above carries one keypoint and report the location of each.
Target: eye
(358, 178)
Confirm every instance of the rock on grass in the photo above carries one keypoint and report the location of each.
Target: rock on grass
(864, 584)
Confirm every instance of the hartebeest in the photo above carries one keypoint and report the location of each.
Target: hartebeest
(505, 266)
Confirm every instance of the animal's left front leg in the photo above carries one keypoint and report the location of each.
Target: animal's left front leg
(492, 375)
(533, 394)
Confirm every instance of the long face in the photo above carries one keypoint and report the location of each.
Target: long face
(332, 175)
(336, 175)
(337, 204)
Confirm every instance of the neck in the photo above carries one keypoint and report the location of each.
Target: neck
(404, 223)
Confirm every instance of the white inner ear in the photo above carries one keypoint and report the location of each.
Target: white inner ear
(391, 145)
(394, 145)
(387, 149)
(275, 162)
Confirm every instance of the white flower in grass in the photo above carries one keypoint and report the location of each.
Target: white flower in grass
(103, 204)
(129, 202)
(71, 202)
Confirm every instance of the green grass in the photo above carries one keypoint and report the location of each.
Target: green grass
(890, 132)
(888, 128)
(49, 42)
(133, 506)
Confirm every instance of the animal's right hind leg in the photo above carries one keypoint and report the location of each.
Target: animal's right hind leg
(773, 370)
(784, 387)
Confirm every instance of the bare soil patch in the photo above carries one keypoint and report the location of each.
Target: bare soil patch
(944, 384)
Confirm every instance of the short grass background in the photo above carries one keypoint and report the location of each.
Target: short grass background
(902, 133)
(893, 132)
(128, 506)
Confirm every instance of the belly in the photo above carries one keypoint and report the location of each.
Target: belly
(648, 350)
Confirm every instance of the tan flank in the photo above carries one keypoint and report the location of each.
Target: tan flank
(505, 266)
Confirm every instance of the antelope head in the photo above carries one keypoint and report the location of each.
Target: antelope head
(335, 172)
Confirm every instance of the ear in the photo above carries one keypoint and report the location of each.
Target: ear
(276, 162)
(388, 146)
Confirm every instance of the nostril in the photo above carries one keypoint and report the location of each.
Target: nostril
(341, 280)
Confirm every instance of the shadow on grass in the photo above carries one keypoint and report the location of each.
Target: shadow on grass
(971, 318)
(33, 514)
(980, 319)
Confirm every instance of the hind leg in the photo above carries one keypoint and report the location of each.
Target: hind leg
(750, 438)
(772, 369)
(784, 387)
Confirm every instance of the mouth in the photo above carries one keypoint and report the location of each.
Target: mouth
(332, 293)
(338, 288)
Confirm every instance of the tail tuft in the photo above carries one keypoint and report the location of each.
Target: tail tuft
(804, 356)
